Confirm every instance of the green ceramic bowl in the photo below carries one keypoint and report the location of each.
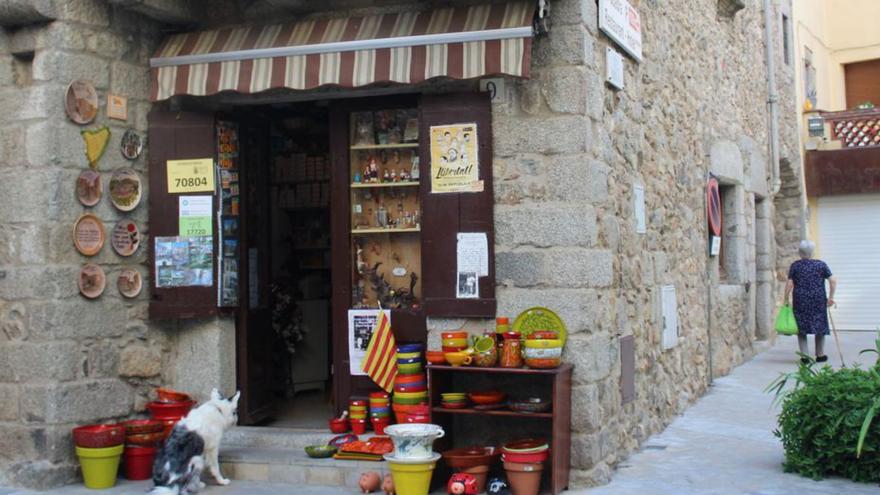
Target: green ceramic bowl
(320, 451)
(409, 401)
(409, 369)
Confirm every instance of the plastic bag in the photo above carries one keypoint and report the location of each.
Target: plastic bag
(785, 322)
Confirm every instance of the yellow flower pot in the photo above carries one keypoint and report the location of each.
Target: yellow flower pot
(99, 466)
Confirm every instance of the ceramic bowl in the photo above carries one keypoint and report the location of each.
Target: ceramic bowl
(454, 395)
(454, 335)
(379, 395)
(338, 425)
(411, 401)
(447, 348)
(168, 395)
(357, 402)
(414, 441)
(455, 342)
(408, 355)
(470, 457)
(98, 436)
(454, 405)
(487, 398)
(141, 426)
(543, 344)
(145, 439)
(410, 369)
(435, 357)
(542, 353)
(457, 358)
(525, 445)
(542, 364)
(409, 360)
(411, 395)
(410, 348)
(415, 388)
(169, 410)
(403, 380)
(320, 451)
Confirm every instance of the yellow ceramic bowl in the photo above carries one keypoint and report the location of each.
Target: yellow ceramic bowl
(453, 395)
(457, 358)
(455, 342)
(411, 395)
(408, 355)
(543, 344)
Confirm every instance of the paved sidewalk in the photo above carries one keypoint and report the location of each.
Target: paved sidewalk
(724, 445)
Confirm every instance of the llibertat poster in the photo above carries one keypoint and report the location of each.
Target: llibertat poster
(455, 166)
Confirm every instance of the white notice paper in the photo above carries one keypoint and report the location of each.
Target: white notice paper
(361, 323)
(473, 262)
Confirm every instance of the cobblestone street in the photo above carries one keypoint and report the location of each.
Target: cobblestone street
(722, 445)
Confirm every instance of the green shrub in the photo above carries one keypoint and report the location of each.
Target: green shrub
(826, 423)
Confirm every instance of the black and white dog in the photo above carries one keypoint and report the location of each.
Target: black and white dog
(194, 444)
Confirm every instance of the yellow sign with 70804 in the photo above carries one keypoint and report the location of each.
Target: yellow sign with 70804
(186, 176)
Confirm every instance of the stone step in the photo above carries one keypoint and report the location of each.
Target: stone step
(293, 466)
(275, 438)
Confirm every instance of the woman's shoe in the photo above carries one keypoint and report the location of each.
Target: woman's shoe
(821, 359)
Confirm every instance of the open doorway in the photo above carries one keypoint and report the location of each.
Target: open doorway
(286, 280)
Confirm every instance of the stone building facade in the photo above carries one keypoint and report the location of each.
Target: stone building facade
(568, 152)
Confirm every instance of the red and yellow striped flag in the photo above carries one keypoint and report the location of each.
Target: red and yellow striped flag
(380, 362)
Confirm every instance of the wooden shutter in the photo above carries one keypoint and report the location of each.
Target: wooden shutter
(176, 136)
(445, 215)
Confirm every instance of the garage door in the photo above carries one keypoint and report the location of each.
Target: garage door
(849, 241)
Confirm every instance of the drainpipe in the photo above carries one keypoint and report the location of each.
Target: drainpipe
(772, 99)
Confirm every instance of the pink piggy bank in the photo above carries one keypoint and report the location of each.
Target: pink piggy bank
(369, 482)
(462, 484)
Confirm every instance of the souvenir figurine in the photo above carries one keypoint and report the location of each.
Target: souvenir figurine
(462, 484)
(369, 482)
(497, 486)
(357, 177)
(374, 169)
(404, 175)
(388, 485)
(394, 176)
(386, 177)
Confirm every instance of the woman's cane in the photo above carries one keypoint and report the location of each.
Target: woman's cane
(834, 331)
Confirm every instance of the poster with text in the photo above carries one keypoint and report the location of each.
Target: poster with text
(455, 166)
(184, 261)
(361, 323)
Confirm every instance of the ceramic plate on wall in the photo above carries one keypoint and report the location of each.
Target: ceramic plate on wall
(81, 102)
(89, 187)
(539, 318)
(92, 281)
(129, 282)
(125, 189)
(132, 144)
(88, 235)
(126, 237)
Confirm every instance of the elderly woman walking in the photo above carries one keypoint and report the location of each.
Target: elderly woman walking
(806, 278)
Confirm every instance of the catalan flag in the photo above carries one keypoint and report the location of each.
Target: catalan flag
(380, 362)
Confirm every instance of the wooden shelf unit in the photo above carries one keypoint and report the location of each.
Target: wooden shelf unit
(356, 147)
(366, 185)
(559, 432)
(384, 231)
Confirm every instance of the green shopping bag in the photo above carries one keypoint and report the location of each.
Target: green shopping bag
(785, 322)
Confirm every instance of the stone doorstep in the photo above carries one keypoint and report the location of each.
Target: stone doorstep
(293, 466)
(274, 438)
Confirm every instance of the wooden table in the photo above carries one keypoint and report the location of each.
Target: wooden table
(553, 383)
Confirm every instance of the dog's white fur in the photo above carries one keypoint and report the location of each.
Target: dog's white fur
(209, 421)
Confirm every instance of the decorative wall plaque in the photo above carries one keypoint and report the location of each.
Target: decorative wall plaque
(129, 282)
(125, 238)
(132, 144)
(81, 102)
(89, 187)
(96, 141)
(125, 189)
(117, 107)
(92, 280)
(88, 235)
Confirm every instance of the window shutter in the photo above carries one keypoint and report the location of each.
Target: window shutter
(177, 136)
(447, 214)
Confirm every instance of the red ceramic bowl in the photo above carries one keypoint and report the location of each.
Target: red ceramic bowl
(142, 426)
(454, 335)
(338, 425)
(169, 410)
(543, 335)
(404, 379)
(487, 398)
(435, 357)
(543, 364)
(168, 395)
(532, 458)
(454, 405)
(98, 436)
(469, 457)
(526, 445)
(146, 439)
(379, 395)
(168, 424)
(447, 348)
(357, 402)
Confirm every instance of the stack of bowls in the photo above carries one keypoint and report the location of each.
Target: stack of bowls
(543, 350)
(454, 341)
(453, 400)
(171, 407)
(524, 462)
(357, 413)
(380, 411)
(410, 386)
(142, 439)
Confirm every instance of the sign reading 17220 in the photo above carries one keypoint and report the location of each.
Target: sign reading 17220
(186, 176)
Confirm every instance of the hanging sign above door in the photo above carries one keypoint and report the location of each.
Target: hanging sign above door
(622, 23)
(186, 176)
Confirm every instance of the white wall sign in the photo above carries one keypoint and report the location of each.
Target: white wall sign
(495, 88)
(622, 23)
(613, 67)
(670, 317)
(639, 198)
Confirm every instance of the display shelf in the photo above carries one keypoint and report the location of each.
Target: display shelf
(365, 185)
(495, 412)
(563, 368)
(355, 147)
(384, 231)
(283, 182)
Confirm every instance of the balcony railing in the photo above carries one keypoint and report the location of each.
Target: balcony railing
(855, 128)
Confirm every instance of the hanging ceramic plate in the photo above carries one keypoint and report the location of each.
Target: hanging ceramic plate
(539, 318)
(129, 282)
(95, 141)
(89, 187)
(125, 189)
(81, 102)
(92, 281)
(88, 234)
(132, 144)
(126, 237)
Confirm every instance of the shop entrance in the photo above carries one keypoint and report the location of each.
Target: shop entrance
(285, 322)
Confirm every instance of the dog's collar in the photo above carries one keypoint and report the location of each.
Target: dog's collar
(217, 408)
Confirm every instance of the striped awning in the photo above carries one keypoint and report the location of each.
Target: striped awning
(404, 48)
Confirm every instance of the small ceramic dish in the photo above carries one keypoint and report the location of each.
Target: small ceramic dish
(530, 405)
(320, 451)
(487, 397)
(453, 405)
(435, 357)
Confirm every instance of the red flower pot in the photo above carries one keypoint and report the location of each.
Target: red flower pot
(138, 462)
(379, 425)
(169, 410)
(359, 426)
(98, 436)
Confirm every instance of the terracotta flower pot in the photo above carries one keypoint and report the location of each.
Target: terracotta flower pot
(524, 479)
(480, 473)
